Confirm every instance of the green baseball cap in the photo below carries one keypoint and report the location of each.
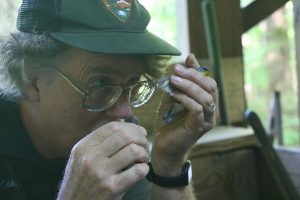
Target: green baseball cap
(103, 26)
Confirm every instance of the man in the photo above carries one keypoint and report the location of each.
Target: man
(69, 79)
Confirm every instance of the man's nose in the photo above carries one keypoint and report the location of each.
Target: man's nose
(121, 109)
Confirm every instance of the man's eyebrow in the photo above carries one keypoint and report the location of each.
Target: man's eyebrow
(98, 69)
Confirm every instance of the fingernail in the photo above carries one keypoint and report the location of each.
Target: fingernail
(180, 68)
(176, 79)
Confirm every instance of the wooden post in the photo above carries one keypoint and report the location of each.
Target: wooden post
(213, 45)
(229, 21)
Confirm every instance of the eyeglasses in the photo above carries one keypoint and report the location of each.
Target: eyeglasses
(102, 97)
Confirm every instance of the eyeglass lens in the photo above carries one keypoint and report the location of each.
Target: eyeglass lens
(141, 93)
(101, 98)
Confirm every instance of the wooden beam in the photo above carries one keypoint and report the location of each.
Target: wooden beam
(258, 11)
(229, 22)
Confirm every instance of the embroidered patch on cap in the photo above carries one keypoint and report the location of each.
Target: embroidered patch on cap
(119, 8)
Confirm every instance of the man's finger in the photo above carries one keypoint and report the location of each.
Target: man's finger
(131, 176)
(127, 156)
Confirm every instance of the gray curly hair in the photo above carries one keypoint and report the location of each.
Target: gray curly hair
(22, 54)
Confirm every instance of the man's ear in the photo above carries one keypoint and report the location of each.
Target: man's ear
(32, 92)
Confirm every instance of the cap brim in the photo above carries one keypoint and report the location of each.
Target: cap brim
(116, 42)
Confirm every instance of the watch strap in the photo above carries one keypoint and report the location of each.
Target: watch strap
(171, 181)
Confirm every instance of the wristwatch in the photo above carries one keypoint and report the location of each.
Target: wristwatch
(181, 180)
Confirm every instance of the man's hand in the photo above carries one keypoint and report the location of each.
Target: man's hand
(198, 94)
(106, 163)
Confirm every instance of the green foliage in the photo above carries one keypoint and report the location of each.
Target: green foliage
(163, 19)
(263, 75)
(8, 15)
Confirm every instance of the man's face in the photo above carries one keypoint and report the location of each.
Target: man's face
(60, 110)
